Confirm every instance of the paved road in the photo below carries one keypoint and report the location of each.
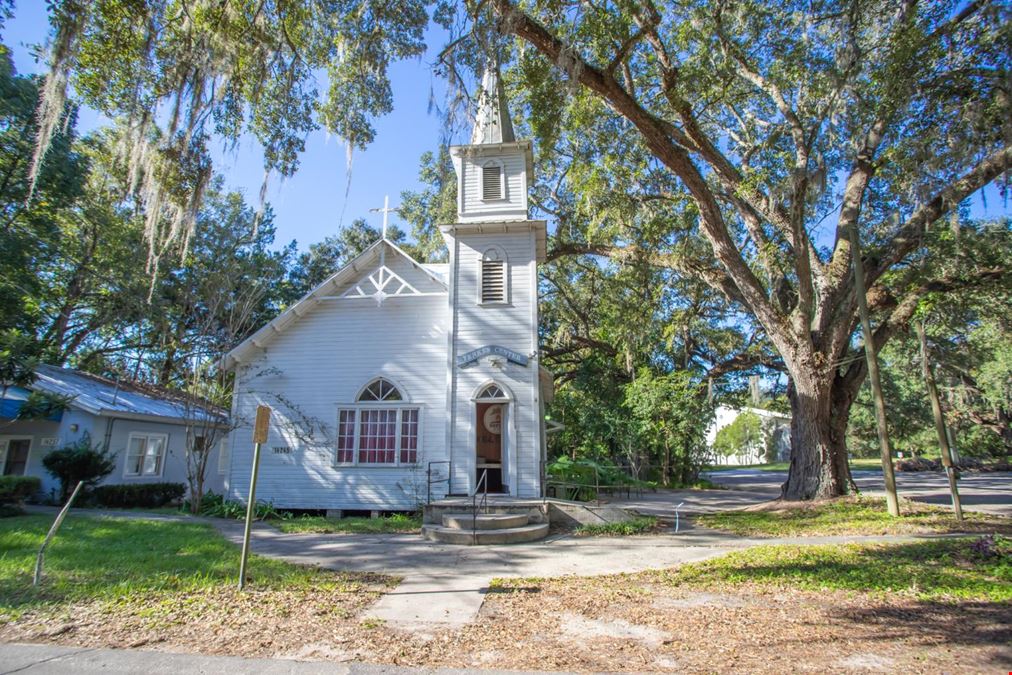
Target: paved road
(986, 492)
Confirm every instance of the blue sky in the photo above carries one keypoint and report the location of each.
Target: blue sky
(312, 204)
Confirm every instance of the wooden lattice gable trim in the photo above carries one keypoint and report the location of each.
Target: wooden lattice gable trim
(381, 284)
(246, 350)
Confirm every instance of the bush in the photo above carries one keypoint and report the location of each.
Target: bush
(140, 495)
(78, 462)
(217, 506)
(14, 489)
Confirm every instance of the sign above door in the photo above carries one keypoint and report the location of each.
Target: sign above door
(491, 350)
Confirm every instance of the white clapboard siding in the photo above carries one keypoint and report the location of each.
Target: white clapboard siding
(324, 360)
(512, 325)
(475, 208)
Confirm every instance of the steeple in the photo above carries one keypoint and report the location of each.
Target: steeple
(492, 122)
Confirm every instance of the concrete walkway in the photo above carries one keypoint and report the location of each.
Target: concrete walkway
(44, 659)
(444, 586)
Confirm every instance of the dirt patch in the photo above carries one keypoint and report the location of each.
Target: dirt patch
(580, 627)
(623, 622)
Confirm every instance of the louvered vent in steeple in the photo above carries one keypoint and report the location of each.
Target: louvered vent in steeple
(491, 182)
(493, 277)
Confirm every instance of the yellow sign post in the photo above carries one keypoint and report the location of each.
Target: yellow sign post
(260, 427)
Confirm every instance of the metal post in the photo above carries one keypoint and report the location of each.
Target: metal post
(37, 579)
(259, 437)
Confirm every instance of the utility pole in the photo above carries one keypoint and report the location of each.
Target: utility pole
(892, 500)
(936, 411)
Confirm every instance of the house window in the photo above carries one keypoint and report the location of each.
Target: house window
(380, 430)
(15, 456)
(494, 283)
(145, 454)
(492, 183)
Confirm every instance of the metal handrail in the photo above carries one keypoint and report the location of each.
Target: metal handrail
(428, 475)
(482, 483)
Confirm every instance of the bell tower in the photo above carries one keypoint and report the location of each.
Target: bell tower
(493, 338)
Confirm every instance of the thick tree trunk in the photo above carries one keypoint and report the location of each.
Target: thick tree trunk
(818, 451)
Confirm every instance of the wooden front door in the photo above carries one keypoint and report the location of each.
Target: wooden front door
(17, 456)
(488, 444)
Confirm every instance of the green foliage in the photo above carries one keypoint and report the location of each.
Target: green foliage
(388, 524)
(141, 495)
(852, 515)
(40, 405)
(742, 436)
(79, 462)
(216, 506)
(117, 560)
(15, 489)
(671, 416)
(579, 479)
(622, 528)
(17, 362)
(938, 569)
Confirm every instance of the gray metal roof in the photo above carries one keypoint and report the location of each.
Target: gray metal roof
(101, 396)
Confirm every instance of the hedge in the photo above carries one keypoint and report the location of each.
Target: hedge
(15, 489)
(143, 495)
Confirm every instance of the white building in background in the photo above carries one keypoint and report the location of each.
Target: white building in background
(775, 426)
(391, 370)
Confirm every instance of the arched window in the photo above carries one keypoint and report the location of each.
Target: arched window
(380, 390)
(492, 392)
(493, 285)
(493, 182)
(381, 429)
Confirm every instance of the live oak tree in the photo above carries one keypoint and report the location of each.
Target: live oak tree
(762, 132)
(771, 129)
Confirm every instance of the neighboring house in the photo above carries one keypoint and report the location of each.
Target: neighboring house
(392, 370)
(144, 430)
(776, 431)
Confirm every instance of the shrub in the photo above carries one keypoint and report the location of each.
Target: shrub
(14, 489)
(217, 506)
(78, 462)
(140, 495)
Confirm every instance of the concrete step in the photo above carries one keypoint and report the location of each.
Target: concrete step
(512, 535)
(484, 521)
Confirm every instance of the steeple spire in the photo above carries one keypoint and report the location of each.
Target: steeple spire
(492, 122)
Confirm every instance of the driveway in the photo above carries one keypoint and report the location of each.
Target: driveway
(985, 492)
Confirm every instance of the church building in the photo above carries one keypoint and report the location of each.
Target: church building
(395, 382)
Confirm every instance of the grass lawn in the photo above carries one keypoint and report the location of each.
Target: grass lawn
(849, 515)
(939, 605)
(397, 523)
(936, 570)
(143, 566)
(638, 525)
(856, 464)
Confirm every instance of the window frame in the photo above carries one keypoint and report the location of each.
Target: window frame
(507, 294)
(5, 452)
(396, 406)
(147, 436)
(224, 456)
(496, 164)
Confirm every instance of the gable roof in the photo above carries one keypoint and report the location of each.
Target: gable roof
(101, 396)
(348, 273)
